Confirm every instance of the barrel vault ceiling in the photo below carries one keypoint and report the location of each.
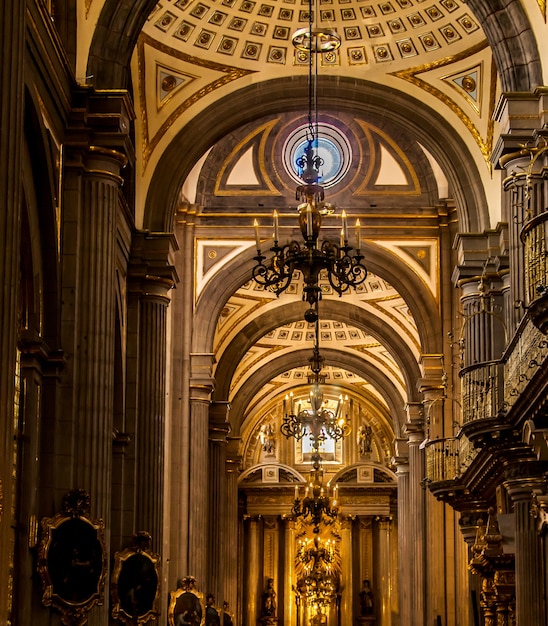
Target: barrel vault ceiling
(193, 52)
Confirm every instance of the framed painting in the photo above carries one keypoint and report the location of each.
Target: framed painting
(72, 560)
(136, 582)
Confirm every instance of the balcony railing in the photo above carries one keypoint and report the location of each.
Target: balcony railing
(442, 459)
(528, 355)
(534, 236)
(447, 459)
(482, 390)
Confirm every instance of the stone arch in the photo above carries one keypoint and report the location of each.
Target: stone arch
(345, 94)
(38, 182)
(505, 24)
(352, 363)
(337, 310)
(381, 262)
(114, 40)
(512, 41)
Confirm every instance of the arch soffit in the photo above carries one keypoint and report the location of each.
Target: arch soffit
(350, 362)
(288, 313)
(379, 261)
(512, 41)
(357, 97)
(506, 26)
(114, 41)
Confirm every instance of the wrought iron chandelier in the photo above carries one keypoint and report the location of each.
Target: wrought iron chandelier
(340, 261)
(319, 422)
(316, 501)
(319, 584)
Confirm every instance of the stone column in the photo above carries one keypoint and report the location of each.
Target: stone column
(530, 608)
(253, 562)
(438, 577)
(181, 315)
(416, 516)
(383, 582)
(347, 586)
(290, 578)
(218, 431)
(230, 544)
(401, 461)
(93, 387)
(201, 386)
(151, 260)
(12, 41)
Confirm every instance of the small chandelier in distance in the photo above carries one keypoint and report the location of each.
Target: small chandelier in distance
(316, 502)
(317, 422)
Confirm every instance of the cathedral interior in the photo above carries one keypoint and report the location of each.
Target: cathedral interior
(274, 318)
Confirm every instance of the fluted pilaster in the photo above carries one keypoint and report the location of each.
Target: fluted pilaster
(347, 599)
(383, 581)
(252, 575)
(416, 517)
(182, 301)
(151, 431)
(290, 578)
(200, 390)
(12, 37)
(218, 430)
(404, 536)
(530, 607)
(93, 370)
(230, 545)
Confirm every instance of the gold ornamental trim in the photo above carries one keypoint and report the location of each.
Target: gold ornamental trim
(72, 560)
(110, 153)
(230, 74)
(411, 76)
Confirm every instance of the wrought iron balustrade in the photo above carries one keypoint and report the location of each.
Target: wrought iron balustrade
(442, 459)
(482, 387)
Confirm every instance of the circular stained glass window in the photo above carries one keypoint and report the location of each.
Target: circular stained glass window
(331, 146)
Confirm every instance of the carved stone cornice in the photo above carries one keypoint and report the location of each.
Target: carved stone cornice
(219, 425)
(151, 268)
(36, 354)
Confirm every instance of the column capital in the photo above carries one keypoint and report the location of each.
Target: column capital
(414, 425)
(102, 118)
(521, 484)
(520, 115)
(151, 265)
(480, 256)
(219, 426)
(202, 383)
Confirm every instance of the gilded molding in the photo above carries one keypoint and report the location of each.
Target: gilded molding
(363, 189)
(264, 131)
(411, 76)
(230, 74)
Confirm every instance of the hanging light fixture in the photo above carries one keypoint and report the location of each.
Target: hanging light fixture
(319, 585)
(319, 422)
(341, 262)
(316, 501)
